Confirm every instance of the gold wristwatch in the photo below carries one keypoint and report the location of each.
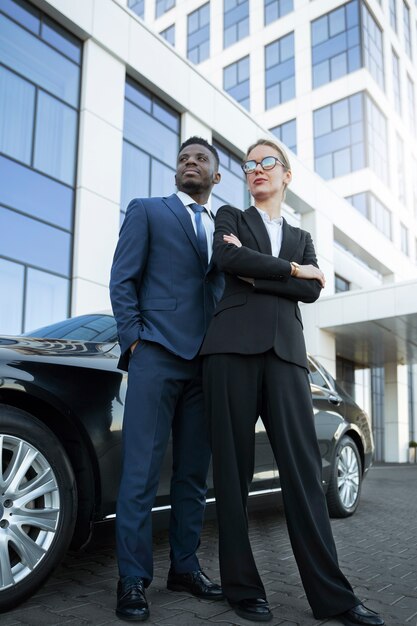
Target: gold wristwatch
(294, 268)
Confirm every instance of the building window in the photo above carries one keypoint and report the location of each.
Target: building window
(341, 132)
(337, 41)
(411, 105)
(39, 106)
(236, 81)
(376, 140)
(233, 189)
(169, 34)
(336, 44)
(341, 284)
(407, 29)
(414, 178)
(393, 14)
(162, 6)
(137, 6)
(372, 46)
(396, 81)
(287, 133)
(339, 137)
(151, 138)
(404, 239)
(274, 9)
(235, 21)
(198, 40)
(400, 169)
(279, 71)
(374, 211)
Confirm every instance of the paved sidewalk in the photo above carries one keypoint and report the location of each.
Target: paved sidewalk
(377, 551)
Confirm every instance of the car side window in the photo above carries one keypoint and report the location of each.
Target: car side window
(316, 377)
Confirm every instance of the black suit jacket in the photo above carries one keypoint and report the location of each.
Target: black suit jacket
(253, 319)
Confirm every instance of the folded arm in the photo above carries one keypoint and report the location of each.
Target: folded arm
(296, 288)
(243, 261)
(249, 264)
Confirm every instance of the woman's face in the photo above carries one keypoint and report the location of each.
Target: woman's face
(267, 184)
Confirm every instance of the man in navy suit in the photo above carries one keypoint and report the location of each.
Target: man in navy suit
(164, 290)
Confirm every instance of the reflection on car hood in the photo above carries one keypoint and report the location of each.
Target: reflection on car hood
(32, 346)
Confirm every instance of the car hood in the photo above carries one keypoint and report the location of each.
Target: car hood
(29, 347)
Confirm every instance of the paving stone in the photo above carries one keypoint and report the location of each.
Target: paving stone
(377, 550)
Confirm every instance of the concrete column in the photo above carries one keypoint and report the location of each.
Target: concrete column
(97, 207)
(321, 229)
(320, 343)
(396, 413)
(413, 416)
(191, 126)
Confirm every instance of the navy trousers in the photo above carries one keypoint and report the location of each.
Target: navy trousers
(164, 394)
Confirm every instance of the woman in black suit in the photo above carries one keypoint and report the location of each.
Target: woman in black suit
(256, 364)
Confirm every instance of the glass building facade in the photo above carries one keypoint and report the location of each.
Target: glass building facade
(407, 29)
(396, 81)
(232, 189)
(411, 105)
(235, 21)
(169, 34)
(39, 109)
(151, 139)
(287, 133)
(335, 39)
(345, 40)
(162, 6)
(198, 35)
(349, 135)
(374, 211)
(137, 6)
(339, 137)
(236, 81)
(279, 71)
(274, 9)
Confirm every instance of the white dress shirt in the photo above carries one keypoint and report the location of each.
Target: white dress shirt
(207, 219)
(274, 229)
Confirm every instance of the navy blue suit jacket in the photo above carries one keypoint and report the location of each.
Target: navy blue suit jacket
(159, 288)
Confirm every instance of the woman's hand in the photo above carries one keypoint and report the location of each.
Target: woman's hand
(232, 239)
(311, 272)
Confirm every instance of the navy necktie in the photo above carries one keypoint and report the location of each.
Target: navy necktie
(201, 231)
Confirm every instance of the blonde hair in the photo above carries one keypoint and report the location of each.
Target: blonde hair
(282, 155)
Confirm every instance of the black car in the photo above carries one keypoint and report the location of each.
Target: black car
(61, 408)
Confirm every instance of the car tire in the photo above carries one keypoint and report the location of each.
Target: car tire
(345, 483)
(38, 504)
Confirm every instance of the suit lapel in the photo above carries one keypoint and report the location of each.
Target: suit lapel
(181, 213)
(290, 235)
(290, 240)
(257, 226)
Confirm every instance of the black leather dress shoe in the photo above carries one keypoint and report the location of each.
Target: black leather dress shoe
(360, 615)
(131, 600)
(196, 583)
(255, 609)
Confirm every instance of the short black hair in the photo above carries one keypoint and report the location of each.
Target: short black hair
(202, 142)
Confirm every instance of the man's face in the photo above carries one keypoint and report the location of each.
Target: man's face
(196, 170)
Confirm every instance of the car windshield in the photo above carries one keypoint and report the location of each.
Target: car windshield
(97, 328)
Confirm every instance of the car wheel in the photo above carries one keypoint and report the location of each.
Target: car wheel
(345, 479)
(37, 504)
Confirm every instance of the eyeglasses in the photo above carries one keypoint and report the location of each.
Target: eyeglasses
(267, 163)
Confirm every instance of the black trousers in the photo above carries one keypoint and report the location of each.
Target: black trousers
(239, 388)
